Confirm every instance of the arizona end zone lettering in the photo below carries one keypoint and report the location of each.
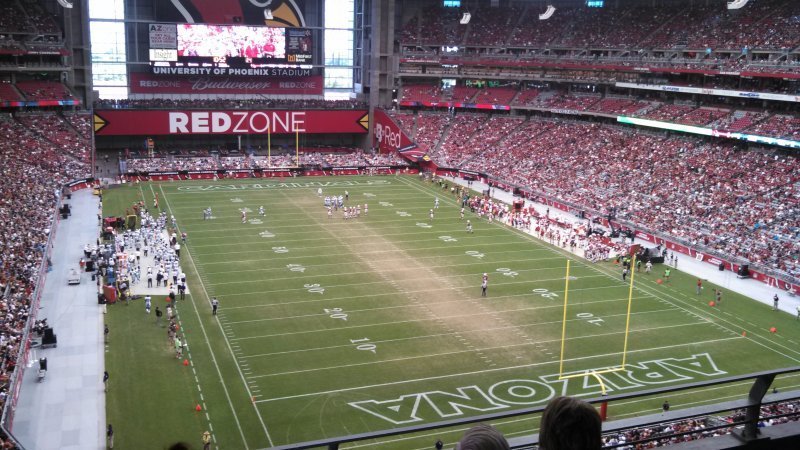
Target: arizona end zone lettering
(164, 122)
(510, 394)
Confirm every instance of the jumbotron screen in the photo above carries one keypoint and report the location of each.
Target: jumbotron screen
(260, 44)
(204, 46)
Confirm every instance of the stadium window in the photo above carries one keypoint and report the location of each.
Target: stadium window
(451, 3)
(108, 46)
(339, 14)
(595, 3)
(107, 9)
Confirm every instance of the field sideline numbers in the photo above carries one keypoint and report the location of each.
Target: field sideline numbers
(589, 317)
(314, 288)
(385, 204)
(403, 214)
(507, 272)
(335, 313)
(364, 345)
(296, 268)
(474, 254)
(448, 239)
(424, 225)
(280, 249)
(545, 293)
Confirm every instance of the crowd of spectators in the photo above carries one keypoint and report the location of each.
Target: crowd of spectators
(33, 171)
(324, 158)
(766, 24)
(706, 193)
(164, 103)
(61, 132)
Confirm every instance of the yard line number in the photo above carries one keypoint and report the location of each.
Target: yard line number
(314, 288)
(335, 313)
(545, 293)
(364, 344)
(589, 317)
(296, 268)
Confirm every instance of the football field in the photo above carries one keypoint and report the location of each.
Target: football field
(329, 327)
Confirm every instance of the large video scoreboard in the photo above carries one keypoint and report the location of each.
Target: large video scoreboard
(228, 49)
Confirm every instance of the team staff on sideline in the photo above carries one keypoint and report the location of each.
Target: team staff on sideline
(214, 306)
(484, 284)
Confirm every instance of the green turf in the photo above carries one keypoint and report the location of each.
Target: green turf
(330, 327)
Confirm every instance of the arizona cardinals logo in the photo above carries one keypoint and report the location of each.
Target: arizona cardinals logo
(273, 13)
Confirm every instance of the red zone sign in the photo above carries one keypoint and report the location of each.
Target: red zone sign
(161, 123)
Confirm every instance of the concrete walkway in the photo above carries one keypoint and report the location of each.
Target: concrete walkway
(66, 411)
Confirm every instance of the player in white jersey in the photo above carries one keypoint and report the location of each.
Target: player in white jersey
(462, 213)
(330, 213)
(431, 216)
(366, 209)
(261, 211)
(244, 216)
(436, 203)
(469, 226)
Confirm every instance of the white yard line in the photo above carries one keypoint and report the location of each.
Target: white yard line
(211, 351)
(476, 372)
(467, 287)
(484, 330)
(293, 333)
(347, 274)
(406, 292)
(412, 305)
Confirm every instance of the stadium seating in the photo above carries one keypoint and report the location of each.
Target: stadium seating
(714, 205)
(406, 121)
(421, 93)
(8, 93)
(55, 129)
(44, 90)
(32, 170)
(767, 24)
(495, 96)
(429, 130)
(229, 103)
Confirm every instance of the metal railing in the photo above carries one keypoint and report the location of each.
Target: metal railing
(751, 404)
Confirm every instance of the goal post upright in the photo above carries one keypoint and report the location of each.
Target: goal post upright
(564, 323)
(628, 314)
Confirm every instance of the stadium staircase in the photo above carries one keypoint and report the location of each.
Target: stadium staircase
(442, 138)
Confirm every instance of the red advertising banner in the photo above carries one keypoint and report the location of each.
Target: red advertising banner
(389, 137)
(145, 83)
(160, 123)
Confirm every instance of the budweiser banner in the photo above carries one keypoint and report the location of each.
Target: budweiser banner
(159, 123)
(145, 83)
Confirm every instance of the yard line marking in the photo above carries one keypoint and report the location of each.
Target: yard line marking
(314, 250)
(293, 333)
(355, 297)
(476, 372)
(479, 351)
(451, 287)
(211, 351)
(247, 262)
(312, 266)
(485, 311)
(393, 283)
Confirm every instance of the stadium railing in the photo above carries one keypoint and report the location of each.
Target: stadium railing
(747, 435)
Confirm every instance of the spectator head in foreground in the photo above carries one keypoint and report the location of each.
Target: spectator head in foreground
(482, 437)
(569, 424)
